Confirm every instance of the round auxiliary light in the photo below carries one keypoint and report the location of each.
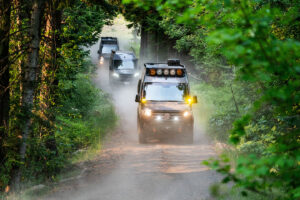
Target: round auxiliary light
(172, 72)
(179, 72)
(152, 72)
(166, 72)
(159, 72)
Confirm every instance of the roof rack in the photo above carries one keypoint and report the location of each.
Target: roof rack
(108, 38)
(171, 63)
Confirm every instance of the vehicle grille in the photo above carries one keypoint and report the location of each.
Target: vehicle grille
(125, 77)
(168, 116)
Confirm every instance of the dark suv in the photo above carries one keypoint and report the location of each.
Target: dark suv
(107, 45)
(123, 68)
(165, 103)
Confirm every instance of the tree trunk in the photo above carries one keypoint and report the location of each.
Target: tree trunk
(49, 81)
(4, 72)
(235, 103)
(31, 73)
(143, 43)
(22, 13)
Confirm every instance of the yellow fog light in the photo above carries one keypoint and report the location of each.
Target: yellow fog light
(143, 100)
(189, 100)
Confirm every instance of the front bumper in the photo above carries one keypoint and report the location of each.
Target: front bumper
(170, 124)
(123, 78)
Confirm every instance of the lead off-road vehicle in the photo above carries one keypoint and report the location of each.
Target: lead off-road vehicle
(165, 102)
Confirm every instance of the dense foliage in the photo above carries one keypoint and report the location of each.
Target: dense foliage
(257, 44)
(68, 113)
(246, 55)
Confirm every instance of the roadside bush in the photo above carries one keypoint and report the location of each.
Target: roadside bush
(84, 116)
(218, 106)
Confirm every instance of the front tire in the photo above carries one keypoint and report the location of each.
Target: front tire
(111, 81)
(142, 134)
(189, 136)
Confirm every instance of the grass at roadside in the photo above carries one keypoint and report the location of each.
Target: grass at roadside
(216, 108)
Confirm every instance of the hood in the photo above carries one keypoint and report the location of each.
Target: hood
(105, 55)
(167, 106)
(125, 71)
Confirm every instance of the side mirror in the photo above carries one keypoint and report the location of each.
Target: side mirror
(137, 98)
(195, 100)
(139, 85)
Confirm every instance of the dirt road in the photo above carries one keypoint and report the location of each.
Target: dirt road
(127, 170)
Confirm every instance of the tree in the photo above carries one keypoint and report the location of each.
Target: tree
(5, 6)
(261, 40)
(31, 73)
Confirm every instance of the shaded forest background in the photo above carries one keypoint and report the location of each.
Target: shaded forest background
(245, 57)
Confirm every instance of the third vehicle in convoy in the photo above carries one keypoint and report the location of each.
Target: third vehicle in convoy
(165, 102)
(107, 45)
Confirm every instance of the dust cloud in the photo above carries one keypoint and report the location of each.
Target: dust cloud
(127, 170)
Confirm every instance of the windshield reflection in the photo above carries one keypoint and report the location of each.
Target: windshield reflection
(165, 91)
(109, 48)
(124, 64)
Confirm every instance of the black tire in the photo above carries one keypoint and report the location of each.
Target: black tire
(189, 136)
(142, 138)
(142, 134)
(111, 82)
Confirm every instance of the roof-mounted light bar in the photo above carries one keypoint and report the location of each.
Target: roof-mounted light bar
(165, 72)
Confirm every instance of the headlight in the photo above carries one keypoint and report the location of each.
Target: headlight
(158, 118)
(116, 75)
(136, 74)
(101, 60)
(147, 112)
(186, 113)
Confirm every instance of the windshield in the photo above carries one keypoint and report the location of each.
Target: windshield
(124, 64)
(165, 91)
(109, 48)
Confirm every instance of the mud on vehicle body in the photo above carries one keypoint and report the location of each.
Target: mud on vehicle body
(165, 104)
(107, 45)
(123, 68)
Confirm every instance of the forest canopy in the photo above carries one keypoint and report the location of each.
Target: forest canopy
(247, 62)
